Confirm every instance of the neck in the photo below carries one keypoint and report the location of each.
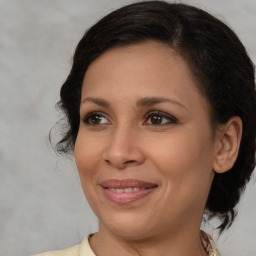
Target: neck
(175, 243)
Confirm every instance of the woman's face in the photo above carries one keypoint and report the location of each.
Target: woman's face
(145, 148)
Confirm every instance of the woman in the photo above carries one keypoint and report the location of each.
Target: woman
(160, 105)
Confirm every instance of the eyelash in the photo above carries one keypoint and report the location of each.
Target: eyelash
(171, 120)
(87, 119)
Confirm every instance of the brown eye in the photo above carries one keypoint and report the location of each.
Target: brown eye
(160, 118)
(95, 119)
(156, 119)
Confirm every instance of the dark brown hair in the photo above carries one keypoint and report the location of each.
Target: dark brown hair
(218, 60)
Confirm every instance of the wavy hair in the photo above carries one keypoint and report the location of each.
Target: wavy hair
(219, 63)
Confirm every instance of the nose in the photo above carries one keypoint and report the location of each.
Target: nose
(123, 149)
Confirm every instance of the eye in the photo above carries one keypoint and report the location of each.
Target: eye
(160, 118)
(95, 118)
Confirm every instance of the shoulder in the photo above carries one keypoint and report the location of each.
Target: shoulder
(72, 251)
(83, 249)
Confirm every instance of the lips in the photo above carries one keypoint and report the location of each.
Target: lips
(126, 191)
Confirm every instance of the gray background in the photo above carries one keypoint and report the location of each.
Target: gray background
(42, 206)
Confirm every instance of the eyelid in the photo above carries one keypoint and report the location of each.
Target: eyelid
(172, 119)
(91, 114)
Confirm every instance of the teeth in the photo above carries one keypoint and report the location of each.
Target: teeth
(125, 190)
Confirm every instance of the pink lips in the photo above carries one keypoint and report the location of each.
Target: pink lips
(126, 191)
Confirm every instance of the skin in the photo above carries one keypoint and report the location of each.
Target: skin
(179, 155)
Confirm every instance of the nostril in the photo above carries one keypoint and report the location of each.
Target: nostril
(130, 162)
(121, 164)
(107, 161)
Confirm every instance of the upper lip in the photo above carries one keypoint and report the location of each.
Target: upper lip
(127, 183)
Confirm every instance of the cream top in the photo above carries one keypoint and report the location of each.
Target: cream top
(84, 249)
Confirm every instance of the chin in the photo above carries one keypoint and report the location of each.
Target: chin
(127, 226)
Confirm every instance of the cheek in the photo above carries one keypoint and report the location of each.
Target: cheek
(185, 161)
(86, 155)
(182, 150)
(87, 149)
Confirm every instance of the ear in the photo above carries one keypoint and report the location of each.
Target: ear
(228, 143)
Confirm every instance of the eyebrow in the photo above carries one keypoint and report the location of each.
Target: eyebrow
(147, 101)
(97, 101)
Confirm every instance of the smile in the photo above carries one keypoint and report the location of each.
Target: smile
(126, 191)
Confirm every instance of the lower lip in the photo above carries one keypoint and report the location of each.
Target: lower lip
(126, 197)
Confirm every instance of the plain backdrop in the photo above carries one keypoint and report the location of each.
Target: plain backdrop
(42, 206)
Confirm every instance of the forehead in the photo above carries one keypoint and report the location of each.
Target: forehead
(141, 70)
(152, 54)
